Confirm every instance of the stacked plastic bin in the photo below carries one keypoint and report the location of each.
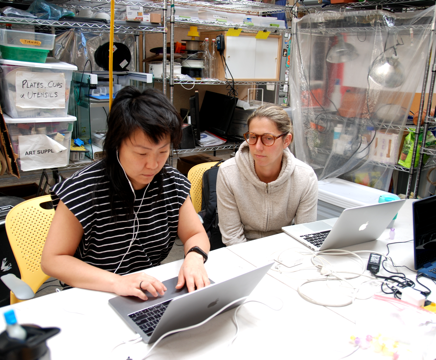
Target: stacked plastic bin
(34, 99)
(335, 195)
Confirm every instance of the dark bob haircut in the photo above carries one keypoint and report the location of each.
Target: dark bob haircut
(150, 111)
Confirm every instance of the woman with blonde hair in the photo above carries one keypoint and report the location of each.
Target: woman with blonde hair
(264, 187)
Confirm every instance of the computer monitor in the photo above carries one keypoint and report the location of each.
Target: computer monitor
(194, 105)
(216, 113)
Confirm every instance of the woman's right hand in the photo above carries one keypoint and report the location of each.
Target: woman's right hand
(137, 284)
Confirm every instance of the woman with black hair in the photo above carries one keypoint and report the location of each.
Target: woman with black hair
(122, 214)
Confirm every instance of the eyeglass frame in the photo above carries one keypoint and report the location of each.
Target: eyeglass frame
(260, 136)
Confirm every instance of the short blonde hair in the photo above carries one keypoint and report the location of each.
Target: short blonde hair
(277, 115)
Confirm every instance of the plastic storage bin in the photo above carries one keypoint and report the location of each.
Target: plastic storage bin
(25, 45)
(35, 90)
(217, 16)
(335, 195)
(41, 143)
(182, 13)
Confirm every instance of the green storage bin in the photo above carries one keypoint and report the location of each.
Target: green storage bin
(23, 54)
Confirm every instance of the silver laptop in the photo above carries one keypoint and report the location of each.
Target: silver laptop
(178, 309)
(354, 226)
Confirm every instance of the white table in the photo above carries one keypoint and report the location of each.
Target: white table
(90, 329)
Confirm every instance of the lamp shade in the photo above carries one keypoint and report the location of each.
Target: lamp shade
(387, 71)
(341, 52)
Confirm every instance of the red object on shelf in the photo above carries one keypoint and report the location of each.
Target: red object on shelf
(312, 98)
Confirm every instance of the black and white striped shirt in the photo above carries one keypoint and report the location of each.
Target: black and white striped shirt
(105, 242)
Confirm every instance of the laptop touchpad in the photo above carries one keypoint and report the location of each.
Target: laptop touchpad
(318, 226)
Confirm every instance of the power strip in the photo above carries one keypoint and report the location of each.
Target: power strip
(220, 46)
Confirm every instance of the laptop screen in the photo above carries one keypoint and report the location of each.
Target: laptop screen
(424, 231)
(216, 112)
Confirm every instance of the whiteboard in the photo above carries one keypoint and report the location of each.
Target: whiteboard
(240, 56)
(251, 58)
(266, 58)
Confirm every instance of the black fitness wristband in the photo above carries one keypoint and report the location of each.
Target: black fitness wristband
(198, 251)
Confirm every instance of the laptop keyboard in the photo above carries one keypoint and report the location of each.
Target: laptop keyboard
(147, 319)
(316, 239)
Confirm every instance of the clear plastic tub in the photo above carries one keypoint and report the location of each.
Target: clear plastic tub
(273, 22)
(35, 90)
(216, 16)
(253, 20)
(182, 13)
(25, 45)
(41, 143)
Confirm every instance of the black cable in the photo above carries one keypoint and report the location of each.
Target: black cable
(402, 283)
(394, 243)
(363, 39)
(425, 293)
(230, 86)
(83, 73)
(399, 277)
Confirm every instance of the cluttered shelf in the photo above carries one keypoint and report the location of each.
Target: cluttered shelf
(215, 25)
(89, 26)
(368, 3)
(431, 163)
(201, 149)
(361, 29)
(219, 82)
(236, 6)
(320, 117)
(105, 4)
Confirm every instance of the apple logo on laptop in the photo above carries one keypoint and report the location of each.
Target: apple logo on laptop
(363, 226)
(213, 303)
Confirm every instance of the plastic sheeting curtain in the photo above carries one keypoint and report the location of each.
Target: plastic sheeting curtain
(353, 78)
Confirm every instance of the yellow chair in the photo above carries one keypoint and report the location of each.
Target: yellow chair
(195, 176)
(27, 226)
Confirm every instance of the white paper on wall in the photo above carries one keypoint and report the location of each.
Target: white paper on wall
(36, 90)
(41, 152)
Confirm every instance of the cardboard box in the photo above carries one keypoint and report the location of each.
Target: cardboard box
(153, 18)
(134, 13)
(7, 150)
(184, 164)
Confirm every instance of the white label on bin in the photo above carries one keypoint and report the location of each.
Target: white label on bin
(41, 152)
(40, 90)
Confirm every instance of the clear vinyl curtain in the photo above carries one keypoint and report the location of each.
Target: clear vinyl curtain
(352, 81)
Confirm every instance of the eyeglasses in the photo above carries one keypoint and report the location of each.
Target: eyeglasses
(267, 139)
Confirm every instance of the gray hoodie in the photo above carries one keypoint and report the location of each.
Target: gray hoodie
(250, 209)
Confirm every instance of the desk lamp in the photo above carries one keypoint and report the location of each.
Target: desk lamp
(341, 52)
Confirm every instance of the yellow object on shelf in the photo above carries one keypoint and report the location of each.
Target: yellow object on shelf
(76, 148)
(193, 32)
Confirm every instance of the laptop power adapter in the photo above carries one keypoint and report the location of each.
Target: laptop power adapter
(373, 263)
